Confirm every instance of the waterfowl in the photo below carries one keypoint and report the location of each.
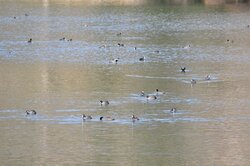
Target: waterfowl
(26, 14)
(70, 39)
(62, 39)
(84, 117)
(151, 97)
(119, 34)
(134, 118)
(115, 60)
(248, 26)
(14, 17)
(183, 69)
(158, 92)
(120, 45)
(142, 58)
(108, 118)
(187, 46)
(104, 102)
(157, 51)
(193, 81)
(142, 93)
(208, 78)
(173, 110)
(30, 112)
(230, 40)
(30, 40)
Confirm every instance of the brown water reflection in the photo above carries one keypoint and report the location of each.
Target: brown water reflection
(62, 80)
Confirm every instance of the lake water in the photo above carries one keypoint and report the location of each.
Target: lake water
(61, 80)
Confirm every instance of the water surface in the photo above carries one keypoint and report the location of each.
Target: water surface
(63, 79)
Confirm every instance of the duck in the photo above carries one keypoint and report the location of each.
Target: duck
(157, 51)
(108, 118)
(142, 93)
(70, 39)
(173, 110)
(187, 46)
(228, 40)
(84, 117)
(62, 39)
(26, 14)
(159, 93)
(193, 81)
(114, 60)
(30, 40)
(151, 97)
(208, 78)
(142, 59)
(119, 34)
(120, 45)
(183, 69)
(134, 118)
(30, 112)
(104, 102)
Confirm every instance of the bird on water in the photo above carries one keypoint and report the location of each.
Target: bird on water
(104, 102)
(30, 112)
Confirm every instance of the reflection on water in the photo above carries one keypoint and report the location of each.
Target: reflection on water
(63, 79)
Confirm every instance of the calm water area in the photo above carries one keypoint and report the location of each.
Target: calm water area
(64, 79)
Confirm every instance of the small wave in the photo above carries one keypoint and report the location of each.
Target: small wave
(6, 111)
(150, 77)
(68, 110)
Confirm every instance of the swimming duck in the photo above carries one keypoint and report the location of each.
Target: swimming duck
(159, 93)
(26, 14)
(84, 117)
(142, 58)
(115, 60)
(120, 45)
(104, 102)
(187, 46)
(119, 34)
(62, 39)
(30, 112)
(108, 118)
(208, 78)
(173, 110)
(151, 97)
(157, 51)
(70, 39)
(193, 81)
(134, 118)
(30, 40)
(142, 93)
(183, 69)
(228, 40)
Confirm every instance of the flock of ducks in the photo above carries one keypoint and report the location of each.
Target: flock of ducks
(88, 117)
(106, 103)
(149, 97)
(115, 61)
(62, 39)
